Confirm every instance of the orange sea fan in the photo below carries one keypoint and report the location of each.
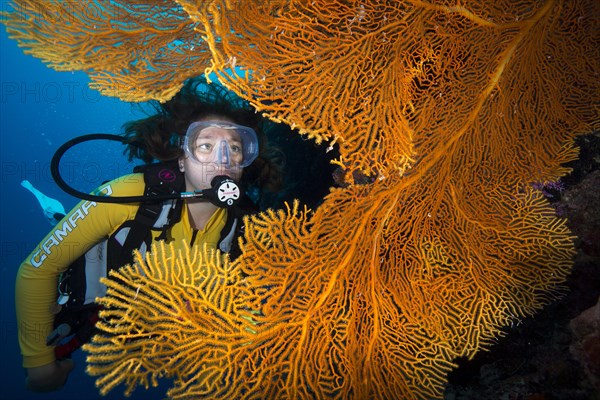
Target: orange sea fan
(333, 321)
(397, 81)
(134, 50)
(186, 318)
(455, 108)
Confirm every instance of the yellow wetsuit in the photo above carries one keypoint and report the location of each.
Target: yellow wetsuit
(86, 225)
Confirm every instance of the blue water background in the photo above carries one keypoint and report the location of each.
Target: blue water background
(39, 110)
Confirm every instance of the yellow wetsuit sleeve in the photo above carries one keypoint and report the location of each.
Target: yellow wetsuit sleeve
(37, 279)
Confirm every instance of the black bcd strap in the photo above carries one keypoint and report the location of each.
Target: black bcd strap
(163, 178)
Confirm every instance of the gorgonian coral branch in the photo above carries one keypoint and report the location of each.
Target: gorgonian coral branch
(134, 50)
(174, 314)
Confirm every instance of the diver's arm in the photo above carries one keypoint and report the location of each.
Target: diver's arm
(37, 279)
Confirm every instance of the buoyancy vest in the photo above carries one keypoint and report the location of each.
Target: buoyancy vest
(80, 285)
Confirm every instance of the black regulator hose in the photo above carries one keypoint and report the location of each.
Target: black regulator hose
(224, 192)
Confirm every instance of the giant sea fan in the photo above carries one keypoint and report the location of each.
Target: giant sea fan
(135, 50)
(454, 108)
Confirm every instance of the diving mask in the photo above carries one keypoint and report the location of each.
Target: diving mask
(221, 142)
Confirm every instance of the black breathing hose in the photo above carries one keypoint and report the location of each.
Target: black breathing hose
(224, 192)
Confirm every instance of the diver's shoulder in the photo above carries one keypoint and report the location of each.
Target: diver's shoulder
(126, 185)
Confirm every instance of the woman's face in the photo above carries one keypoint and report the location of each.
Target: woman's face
(212, 151)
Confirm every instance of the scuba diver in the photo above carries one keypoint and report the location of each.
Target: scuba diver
(207, 144)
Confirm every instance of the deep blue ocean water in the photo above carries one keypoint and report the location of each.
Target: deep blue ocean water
(39, 110)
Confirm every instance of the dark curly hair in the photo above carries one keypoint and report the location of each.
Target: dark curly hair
(157, 137)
